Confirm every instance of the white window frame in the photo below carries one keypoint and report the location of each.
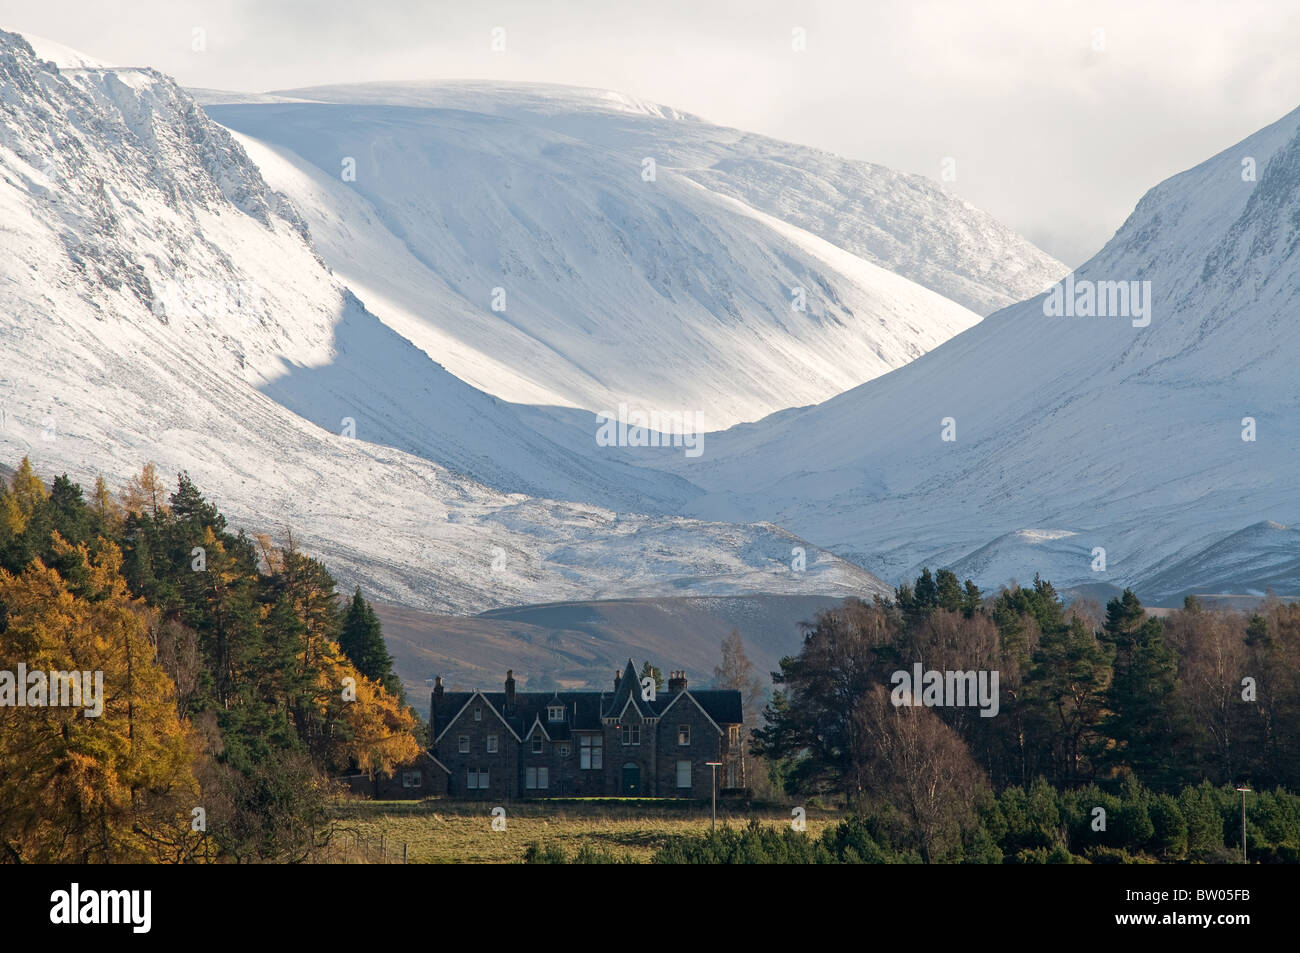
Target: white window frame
(538, 744)
(462, 744)
(492, 744)
(555, 713)
(478, 714)
(563, 750)
(633, 732)
(412, 779)
(690, 775)
(683, 731)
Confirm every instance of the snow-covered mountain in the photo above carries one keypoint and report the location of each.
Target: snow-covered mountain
(1076, 434)
(520, 236)
(159, 301)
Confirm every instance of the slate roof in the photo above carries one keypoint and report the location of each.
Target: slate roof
(583, 710)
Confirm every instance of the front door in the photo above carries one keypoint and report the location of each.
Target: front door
(631, 779)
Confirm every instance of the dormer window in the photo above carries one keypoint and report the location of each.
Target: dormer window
(555, 713)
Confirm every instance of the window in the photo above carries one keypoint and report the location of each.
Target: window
(537, 778)
(683, 774)
(412, 779)
(478, 714)
(631, 734)
(492, 744)
(563, 750)
(592, 752)
(683, 734)
(476, 780)
(463, 744)
(733, 734)
(555, 713)
(537, 744)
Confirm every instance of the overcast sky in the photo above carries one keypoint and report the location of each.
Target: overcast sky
(1055, 127)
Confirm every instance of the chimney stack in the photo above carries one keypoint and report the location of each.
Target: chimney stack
(510, 689)
(618, 677)
(434, 702)
(676, 682)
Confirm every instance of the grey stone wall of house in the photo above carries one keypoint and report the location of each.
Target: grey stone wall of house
(630, 765)
(639, 741)
(422, 779)
(501, 765)
(704, 746)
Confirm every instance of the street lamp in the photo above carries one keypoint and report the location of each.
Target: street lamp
(713, 826)
(1244, 791)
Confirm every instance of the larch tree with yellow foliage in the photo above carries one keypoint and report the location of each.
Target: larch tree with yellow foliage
(76, 787)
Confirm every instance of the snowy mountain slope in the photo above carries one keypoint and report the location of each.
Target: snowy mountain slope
(1128, 437)
(1262, 557)
(149, 220)
(675, 294)
(64, 57)
(904, 223)
(155, 296)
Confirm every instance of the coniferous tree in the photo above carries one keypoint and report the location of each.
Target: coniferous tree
(1066, 697)
(948, 594)
(1145, 719)
(652, 671)
(362, 640)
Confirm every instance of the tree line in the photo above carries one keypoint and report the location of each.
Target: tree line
(236, 680)
(1088, 699)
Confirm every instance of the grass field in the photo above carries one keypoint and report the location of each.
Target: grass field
(444, 832)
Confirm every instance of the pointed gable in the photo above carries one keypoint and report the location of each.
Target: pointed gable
(629, 690)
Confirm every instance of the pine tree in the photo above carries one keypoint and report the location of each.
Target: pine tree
(69, 514)
(651, 671)
(1066, 694)
(1144, 720)
(362, 641)
(948, 594)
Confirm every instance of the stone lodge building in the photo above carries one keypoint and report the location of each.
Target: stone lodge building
(629, 742)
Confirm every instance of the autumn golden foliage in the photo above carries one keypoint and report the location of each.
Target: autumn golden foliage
(74, 788)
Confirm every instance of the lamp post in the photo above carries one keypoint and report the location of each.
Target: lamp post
(713, 825)
(1244, 791)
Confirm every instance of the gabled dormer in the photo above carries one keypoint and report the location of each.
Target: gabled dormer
(556, 711)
